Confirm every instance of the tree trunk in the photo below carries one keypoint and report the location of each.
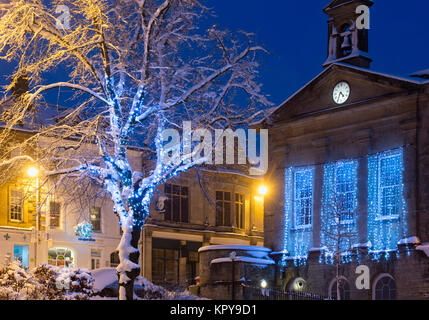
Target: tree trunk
(129, 268)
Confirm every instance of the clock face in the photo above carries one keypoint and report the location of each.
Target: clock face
(341, 92)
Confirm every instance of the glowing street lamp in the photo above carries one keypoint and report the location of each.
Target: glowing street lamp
(263, 190)
(264, 284)
(32, 172)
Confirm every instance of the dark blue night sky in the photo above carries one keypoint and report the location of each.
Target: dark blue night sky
(295, 32)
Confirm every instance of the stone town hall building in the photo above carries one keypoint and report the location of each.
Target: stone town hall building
(349, 155)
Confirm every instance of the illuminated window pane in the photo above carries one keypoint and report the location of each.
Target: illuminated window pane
(16, 204)
(390, 185)
(95, 218)
(387, 207)
(303, 198)
(54, 214)
(298, 231)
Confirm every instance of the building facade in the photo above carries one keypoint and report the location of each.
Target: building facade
(348, 173)
(39, 226)
(187, 213)
(194, 211)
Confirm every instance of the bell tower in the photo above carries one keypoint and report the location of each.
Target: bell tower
(348, 41)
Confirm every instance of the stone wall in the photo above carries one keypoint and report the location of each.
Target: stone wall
(218, 273)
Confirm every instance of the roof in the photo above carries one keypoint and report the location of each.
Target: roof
(424, 74)
(337, 3)
(408, 80)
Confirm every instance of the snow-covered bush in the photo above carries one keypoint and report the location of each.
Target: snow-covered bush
(78, 283)
(146, 290)
(45, 282)
(46, 276)
(17, 284)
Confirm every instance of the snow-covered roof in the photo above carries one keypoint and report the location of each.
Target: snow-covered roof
(243, 259)
(337, 3)
(232, 248)
(424, 247)
(424, 74)
(410, 240)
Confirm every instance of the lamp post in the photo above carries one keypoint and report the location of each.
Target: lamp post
(33, 172)
(233, 255)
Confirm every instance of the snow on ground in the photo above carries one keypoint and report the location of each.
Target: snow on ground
(104, 277)
(144, 289)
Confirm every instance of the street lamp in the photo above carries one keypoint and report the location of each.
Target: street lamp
(264, 284)
(233, 256)
(263, 190)
(33, 172)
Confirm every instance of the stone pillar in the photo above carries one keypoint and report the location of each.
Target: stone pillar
(206, 239)
(146, 255)
(317, 205)
(410, 179)
(362, 209)
(232, 212)
(182, 264)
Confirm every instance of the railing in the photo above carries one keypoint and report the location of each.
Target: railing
(252, 293)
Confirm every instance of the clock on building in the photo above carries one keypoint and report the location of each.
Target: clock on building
(341, 92)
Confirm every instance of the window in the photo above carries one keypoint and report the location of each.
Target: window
(20, 253)
(16, 205)
(61, 257)
(54, 214)
(384, 288)
(114, 259)
(239, 211)
(390, 186)
(303, 198)
(344, 289)
(346, 190)
(223, 208)
(298, 211)
(95, 259)
(387, 206)
(177, 203)
(165, 265)
(96, 219)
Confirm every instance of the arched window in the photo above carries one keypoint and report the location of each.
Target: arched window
(344, 289)
(61, 257)
(384, 288)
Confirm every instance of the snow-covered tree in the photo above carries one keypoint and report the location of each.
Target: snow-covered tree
(136, 67)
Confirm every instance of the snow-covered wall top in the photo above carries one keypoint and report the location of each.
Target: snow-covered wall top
(244, 259)
(232, 248)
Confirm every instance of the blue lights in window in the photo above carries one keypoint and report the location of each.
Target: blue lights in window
(339, 207)
(387, 207)
(298, 230)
